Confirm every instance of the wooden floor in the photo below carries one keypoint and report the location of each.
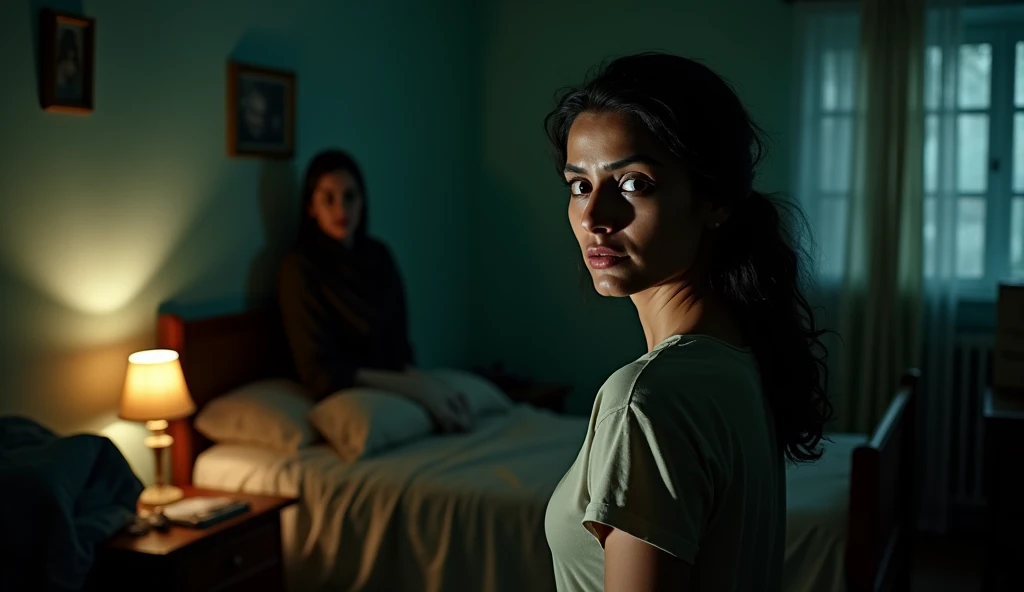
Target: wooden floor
(948, 565)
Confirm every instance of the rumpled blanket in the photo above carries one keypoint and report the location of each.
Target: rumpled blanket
(59, 498)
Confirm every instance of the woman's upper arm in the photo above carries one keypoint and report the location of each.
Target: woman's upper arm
(636, 566)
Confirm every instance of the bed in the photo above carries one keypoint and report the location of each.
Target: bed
(466, 512)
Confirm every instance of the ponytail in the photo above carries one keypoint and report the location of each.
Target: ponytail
(756, 269)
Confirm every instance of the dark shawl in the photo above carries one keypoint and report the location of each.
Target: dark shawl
(343, 309)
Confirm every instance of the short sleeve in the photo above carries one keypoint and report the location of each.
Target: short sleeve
(651, 482)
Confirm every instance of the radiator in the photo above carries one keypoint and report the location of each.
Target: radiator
(972, 372)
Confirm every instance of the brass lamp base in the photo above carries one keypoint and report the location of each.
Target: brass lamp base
(161, 492)
(160, 495)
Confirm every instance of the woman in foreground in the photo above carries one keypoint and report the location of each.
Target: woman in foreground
(342, 300)
(680, 483)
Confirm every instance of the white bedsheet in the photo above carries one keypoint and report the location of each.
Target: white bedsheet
(466, 512)
(817, 499)
(462, 512)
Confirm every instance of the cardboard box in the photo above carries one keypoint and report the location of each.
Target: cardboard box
(1008, 355)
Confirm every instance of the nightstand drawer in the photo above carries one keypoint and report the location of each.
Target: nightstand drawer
(246, 556)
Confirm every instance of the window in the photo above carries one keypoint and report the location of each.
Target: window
(836, 131)
(990, 160)
(988, 174)
(1016, 217)
(973, 116)
(830, 76)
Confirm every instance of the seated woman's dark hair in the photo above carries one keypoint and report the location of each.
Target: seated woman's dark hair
(756, 263)
(326, 162)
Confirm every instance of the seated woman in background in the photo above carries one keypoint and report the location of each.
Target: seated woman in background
(342, 300)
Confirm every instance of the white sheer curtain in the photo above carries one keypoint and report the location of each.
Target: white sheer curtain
(828, 52)
(943, 34)
(828, 47)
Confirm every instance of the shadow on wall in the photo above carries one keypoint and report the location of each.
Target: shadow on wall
(227, 259)
(554, 326)
(279, 210)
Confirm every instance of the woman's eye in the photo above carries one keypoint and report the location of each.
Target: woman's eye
(634, 185)
(579, 187)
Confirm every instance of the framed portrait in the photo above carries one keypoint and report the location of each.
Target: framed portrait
(68, 64)
(261, 111)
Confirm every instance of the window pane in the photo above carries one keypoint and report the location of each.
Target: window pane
(973, 153)
(831, 235)
(1017, 237)
(970, 237)
(836, 147)
(975, 75)
(837, 80)
(932, 77)
(931, 153)
(931, 232)
(1019, 77)
(1018, 152)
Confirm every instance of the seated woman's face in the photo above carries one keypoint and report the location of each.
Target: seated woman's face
(337, 205)
(630, 205)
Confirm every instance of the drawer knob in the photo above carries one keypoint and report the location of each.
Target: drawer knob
(236, 559)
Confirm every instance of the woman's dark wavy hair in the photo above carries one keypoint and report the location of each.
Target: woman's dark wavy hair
(756, 263)
(326, 162)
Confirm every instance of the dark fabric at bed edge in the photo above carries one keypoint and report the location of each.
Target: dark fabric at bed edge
(60, 496)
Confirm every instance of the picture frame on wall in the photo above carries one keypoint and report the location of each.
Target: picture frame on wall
(260, 111)
(68, 65)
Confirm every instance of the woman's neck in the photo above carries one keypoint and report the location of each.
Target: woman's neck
(320, 240)
(680, 308)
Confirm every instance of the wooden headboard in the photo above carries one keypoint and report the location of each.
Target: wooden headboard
(219, 354)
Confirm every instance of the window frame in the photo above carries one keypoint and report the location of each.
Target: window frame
(998, 196)
(998, 189)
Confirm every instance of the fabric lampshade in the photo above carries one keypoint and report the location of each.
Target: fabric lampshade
(154, 387)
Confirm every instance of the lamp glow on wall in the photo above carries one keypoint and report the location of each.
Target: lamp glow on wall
(155, 392)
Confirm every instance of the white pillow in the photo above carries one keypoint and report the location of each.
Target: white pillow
(269, 413)
(361, 422)
(483, 396)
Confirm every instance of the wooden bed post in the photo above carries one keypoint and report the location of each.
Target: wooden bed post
(219, 354)
(171, 335)
(880, 517)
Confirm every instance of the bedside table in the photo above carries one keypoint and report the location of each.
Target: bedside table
(545, 396)
(240, 553)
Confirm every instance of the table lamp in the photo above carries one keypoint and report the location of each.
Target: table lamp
(155, 392)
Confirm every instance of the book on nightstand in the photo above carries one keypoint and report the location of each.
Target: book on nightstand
(200, 512)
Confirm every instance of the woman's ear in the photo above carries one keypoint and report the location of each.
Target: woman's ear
(717, 216)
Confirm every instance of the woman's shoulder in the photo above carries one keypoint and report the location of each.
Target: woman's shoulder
(685, 376)
(294, 261)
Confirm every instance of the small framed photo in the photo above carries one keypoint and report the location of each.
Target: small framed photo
(68, 65)
(261, 111)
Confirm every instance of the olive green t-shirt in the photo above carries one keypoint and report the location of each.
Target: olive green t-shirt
(680, 453)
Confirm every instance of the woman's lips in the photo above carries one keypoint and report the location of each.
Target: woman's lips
(604, 257)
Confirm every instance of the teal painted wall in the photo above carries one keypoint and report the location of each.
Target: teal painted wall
(105, 216)
(535, 313)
